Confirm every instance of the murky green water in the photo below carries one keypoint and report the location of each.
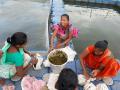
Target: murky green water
(29, 16)
(95, 24)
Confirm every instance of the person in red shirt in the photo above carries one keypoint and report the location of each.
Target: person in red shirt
(99, 59)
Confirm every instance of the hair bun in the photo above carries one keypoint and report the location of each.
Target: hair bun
(106, 42)
(9, 40)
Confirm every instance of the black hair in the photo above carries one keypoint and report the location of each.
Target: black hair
(18, 38)
(66, 15)
(67, 80)
(103, 45)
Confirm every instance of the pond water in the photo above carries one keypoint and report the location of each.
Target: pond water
(95, 23)
(29, 16)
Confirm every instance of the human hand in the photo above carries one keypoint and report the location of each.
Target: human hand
(87, 76)
(59, 46)
(34, 61)
(95, 72)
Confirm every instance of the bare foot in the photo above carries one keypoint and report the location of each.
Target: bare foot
(2, 82)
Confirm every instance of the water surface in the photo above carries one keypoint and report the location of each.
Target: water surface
(95, 24)
(29, 16)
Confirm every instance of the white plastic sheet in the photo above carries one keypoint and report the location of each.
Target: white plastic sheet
(52, 81)
(102, 86)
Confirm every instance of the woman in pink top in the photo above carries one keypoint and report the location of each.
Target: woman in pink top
(64, 32)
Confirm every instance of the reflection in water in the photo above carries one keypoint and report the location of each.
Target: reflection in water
(95, 24)
(29, 16)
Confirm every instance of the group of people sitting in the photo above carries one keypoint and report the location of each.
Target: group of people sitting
(96, 60)
(96, 57)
